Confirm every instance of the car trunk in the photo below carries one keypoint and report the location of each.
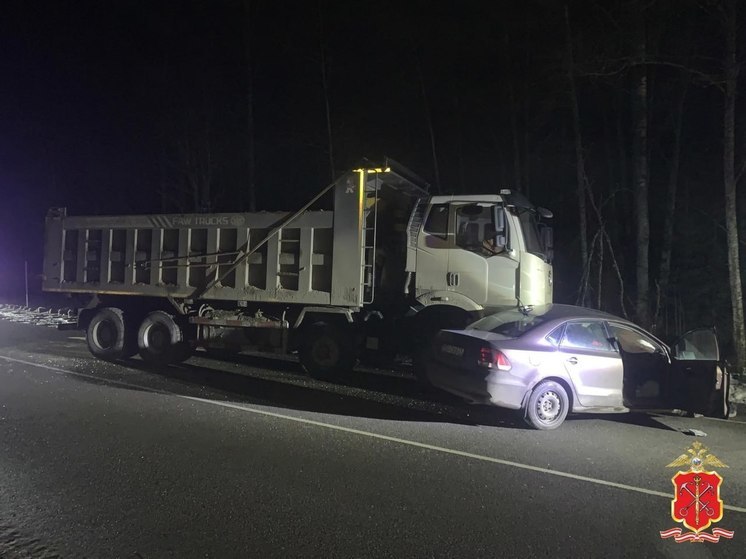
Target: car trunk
(459, 351)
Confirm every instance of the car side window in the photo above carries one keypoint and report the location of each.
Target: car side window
(632, 341)
(555, 336)
(697, 345)
(437, 220)
(585, 335)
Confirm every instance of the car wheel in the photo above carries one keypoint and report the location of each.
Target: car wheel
(547, 406)
(108, 336)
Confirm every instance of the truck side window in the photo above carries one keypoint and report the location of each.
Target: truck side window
(476, 230)
(437, 221)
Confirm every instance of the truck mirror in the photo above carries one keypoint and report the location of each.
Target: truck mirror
(545, 213)
(547, 238)
(499, 217)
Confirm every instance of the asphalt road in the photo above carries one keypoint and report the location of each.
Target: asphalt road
(249, 458)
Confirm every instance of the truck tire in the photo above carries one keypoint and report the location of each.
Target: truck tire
(427, 327)
(108, 336)
(161, 340)
(326, 351)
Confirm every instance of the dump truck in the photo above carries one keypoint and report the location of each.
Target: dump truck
(372, 279)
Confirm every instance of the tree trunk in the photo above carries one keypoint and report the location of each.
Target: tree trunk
(729, 176)
(640, 179)
(429, 118)
(325, 86)
(513, 114)
(580, 175)
(251, 155)
(460, 145)
(664, 272)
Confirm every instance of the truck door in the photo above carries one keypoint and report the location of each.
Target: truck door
(467, 266)
(698, 381)
(432, 250)
(480, 265)
(454, 254)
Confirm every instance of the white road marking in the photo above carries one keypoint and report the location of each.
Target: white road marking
(444, 450)
(81, 338)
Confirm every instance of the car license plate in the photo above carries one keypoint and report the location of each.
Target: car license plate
(452, 350)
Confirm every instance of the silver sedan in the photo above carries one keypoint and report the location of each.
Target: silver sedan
(556, 359)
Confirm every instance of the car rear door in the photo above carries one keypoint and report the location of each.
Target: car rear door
(698, 380)
(593, 365)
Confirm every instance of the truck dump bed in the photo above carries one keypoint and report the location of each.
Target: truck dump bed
(320, 258)
(175, 255)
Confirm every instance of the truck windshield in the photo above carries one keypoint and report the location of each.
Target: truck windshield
(530, 229)
(511, 324)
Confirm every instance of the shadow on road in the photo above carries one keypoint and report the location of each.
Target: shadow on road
(638, 419)
(359, 394)
(279, 382)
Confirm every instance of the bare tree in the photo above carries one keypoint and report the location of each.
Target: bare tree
(641, 173)
(580, 174)
(428, 117)
(325, 89)
(664, 272)
(512, 111)
(195, 161)
(251, 155)
(730, 180)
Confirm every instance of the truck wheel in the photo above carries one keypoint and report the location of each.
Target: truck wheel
(428, 326)
(547, 406)
(108, 336)
(326, 351)
(161, 340)
(182, 352)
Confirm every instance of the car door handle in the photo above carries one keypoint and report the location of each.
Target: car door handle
(573, 360)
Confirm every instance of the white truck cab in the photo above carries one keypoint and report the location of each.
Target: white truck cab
(482, 253)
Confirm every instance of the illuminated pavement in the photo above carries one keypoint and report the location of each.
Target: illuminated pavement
(251, 459)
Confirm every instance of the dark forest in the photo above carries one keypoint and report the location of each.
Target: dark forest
(622, 117)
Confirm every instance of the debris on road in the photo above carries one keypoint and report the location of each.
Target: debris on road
(42, 316)
(694, 432)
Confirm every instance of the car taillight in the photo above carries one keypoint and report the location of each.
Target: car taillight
(490, 357)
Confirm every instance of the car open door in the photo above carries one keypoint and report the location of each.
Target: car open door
(699, 381)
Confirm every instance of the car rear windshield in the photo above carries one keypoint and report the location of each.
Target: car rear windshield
(511, 324)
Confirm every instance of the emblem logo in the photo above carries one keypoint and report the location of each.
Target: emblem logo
(696, 503)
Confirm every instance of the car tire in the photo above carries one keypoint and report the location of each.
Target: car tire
(326, 351)
(108, 335)
(161, 340)
(547, 406)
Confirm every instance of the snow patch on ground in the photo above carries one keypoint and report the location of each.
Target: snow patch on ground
(42, 316)
(738, 391)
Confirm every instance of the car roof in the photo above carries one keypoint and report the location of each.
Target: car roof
(556, 311)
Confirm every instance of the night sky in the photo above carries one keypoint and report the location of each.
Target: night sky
(113, 108)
